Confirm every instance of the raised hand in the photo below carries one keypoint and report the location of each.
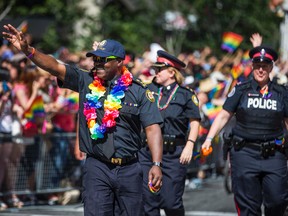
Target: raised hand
(15, 37)
(256, 39)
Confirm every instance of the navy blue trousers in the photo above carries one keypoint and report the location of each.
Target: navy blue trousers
(112, 190)
(174, 175)
(258, 181)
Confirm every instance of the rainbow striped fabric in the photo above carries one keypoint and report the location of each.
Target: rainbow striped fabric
(36, 109)
(245, 58)
(211, 110)
(231, 41)
(217, 91)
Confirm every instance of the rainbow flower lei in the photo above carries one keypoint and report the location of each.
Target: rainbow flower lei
(112, 103)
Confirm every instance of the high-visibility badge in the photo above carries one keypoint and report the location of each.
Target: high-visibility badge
(150, 96)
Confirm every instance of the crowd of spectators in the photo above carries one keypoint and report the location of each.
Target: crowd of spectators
(22, 84)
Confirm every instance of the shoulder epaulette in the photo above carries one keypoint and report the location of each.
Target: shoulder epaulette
(140, 82)
(86, 71)
(244, 85)
(188, 89)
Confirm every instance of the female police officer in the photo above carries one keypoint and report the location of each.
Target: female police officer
(179, 108)
(258, 162)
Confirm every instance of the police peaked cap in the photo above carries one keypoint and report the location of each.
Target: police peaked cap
(166, 59)
(263, 54)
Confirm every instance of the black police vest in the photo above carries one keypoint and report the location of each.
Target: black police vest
(259, 118)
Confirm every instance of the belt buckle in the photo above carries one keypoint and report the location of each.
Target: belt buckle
(116, 161)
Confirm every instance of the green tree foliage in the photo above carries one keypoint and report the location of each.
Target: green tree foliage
(64, 13)
(137, 29)
(138, 23)
(240, 16)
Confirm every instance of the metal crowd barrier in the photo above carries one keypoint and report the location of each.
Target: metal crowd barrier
(47, 165)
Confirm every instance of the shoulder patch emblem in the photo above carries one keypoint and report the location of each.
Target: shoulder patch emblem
(150, 96)
(232, 92)
(195, 100)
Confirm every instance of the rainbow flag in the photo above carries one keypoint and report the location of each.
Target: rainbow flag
(236, 71)
(72, 99)
(196, 155)
(36, 109)
(231, 41)
(202, 131)
(23, 26)
(211, 110)
(217, 91)
(245, 58)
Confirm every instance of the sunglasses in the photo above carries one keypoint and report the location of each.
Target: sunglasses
(98, 59)
(257, 66)
(155, 70)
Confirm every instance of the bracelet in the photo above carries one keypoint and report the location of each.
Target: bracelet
(190, 140)
(209, 138)
(32, 53)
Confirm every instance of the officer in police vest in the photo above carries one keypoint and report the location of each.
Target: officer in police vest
(257, 155)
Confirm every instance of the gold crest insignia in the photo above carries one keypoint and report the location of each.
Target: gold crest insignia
(195, 100)
(101, 45)
(150, 96)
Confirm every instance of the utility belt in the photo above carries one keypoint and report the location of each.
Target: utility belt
(266, 148)
(169, 142)
(117, 161)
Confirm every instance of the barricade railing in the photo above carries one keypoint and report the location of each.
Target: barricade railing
(45, 165)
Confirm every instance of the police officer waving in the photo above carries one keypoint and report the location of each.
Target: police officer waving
(258, 161)
(113, 109)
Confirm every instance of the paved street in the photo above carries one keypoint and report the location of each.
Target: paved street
(210, 200)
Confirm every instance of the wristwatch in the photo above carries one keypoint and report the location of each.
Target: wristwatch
(159, 164)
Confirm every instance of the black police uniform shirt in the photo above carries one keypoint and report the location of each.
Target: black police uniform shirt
(258, 118)
(137, 110)
(183, 106)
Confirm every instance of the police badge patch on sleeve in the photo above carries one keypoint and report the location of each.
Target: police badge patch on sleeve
(150, 96)
(232, 92)
(195, 100)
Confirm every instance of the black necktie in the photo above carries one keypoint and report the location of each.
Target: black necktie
(108, 146)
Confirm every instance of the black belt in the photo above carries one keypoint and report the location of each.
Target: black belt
(173, 140)
(258, 146)
(169, 140)
(117, 161)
